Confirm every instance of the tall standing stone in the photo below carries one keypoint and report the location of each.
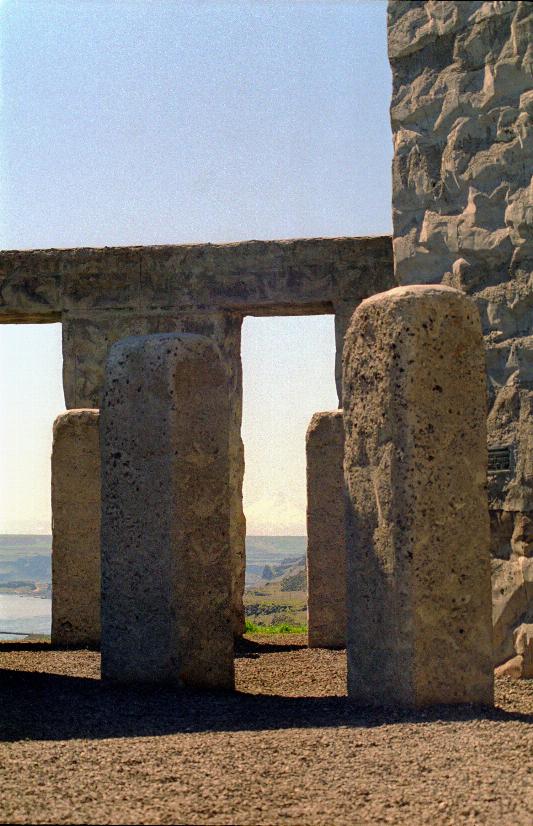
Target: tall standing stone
(326, 545)
(76, 529)
(87, 338)
(419, 595)
(166, 557)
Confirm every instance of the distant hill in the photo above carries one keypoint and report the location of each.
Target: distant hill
(28, 557)
(271, 551)
(278, 593)
(290, 574)
(25, 557)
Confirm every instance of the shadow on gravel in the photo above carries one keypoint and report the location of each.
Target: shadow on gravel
(250, 648)
(40, 706)
(243, 647)
(15, 647)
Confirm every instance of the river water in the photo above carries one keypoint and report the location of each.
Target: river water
(31, 615)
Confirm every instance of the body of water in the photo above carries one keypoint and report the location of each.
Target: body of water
(21, 613)
(28, 558)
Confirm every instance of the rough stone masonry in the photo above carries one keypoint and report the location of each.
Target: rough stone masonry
(166, 509)
(419, 626)
(462, 121)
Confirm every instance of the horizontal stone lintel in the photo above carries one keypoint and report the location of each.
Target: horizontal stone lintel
(251, 277)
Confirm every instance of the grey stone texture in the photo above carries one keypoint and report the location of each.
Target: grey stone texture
(301, 276)
(462, 120)
(166, 508)
(76, 529)
(326, 546)
(103, 295)
(463, 150)
(520, 666)
(419, 609)
(512, 602)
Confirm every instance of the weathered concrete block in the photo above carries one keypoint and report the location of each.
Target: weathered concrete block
(419, 593)
(326, 544)
(86, 342)
(76, 529)
(166, 558)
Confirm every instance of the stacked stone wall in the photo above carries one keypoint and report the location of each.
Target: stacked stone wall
(462, 121)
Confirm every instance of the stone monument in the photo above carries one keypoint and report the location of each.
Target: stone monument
(419, 628)
(166, 509)
(103, 295)
(326, 546)
(76, 529)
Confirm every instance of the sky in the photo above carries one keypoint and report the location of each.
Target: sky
(170, 122)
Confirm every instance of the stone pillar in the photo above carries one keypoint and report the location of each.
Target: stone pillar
(166, 554)
(86, 342)
(326, 544)
(415, 463)
(343, 314)
(76, 529)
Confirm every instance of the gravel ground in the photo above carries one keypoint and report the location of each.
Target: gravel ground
(287, 748)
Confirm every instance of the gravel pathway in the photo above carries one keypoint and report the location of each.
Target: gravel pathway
(287, 748)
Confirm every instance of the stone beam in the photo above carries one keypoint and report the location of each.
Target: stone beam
(302, 276)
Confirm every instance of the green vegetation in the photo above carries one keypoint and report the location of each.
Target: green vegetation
(296, 582)
(275, 607)
(279, 597)
(283, 628)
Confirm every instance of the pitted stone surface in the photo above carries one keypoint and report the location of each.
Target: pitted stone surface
(305, 275)
(166, 560)
(86, 342)
(419, 607)
(76, 529)
(512, 602)
(462, 118)
(326, 545)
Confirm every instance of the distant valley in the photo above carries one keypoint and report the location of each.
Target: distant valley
(276, 584)
(26, 564)
(276, 580)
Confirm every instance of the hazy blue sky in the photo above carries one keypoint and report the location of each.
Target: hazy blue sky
(167, 122)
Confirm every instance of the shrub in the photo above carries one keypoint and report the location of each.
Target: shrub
(282, 628)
